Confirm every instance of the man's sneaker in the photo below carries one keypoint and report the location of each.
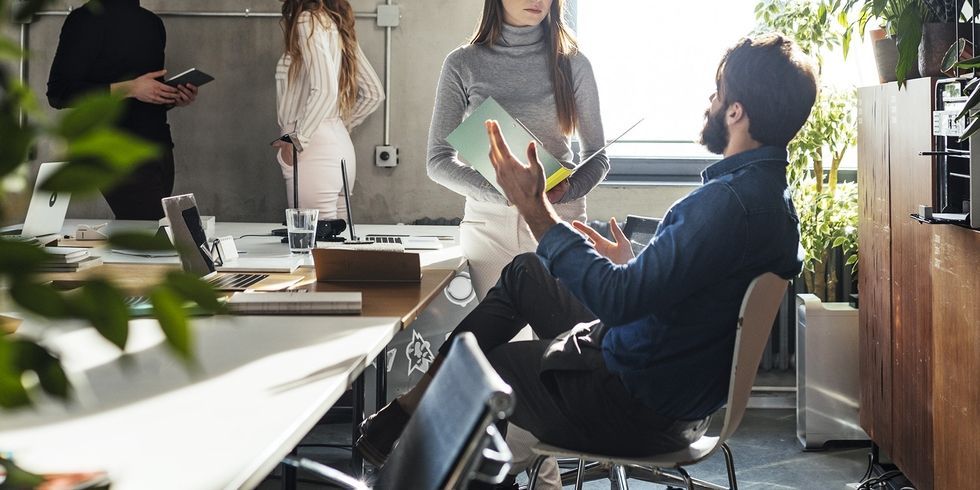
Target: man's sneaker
(379, 433)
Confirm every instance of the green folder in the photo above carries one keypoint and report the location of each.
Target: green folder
(470, 139)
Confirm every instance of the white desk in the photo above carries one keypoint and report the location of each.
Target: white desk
(271, 246)
(263, 383)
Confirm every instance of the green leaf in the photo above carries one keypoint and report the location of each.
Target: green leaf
(12, 392)
(17, 478)
(173, 320)
(909, 35)
(83, 176)
(877, 7)
(33, 357)
(98, 159)
(970, 87)
(970, 129)
(851, 260)
(114, 147)
(15, 145)
(40, 298)
(194, 289)
(967, 64)
(952, 55)
(9, 50)
(18, 258)
(970, 103)
(140, 241)
(105, 308)
(839, 241)
(91, 113)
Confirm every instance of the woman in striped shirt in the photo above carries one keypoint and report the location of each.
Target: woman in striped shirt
(325, 86)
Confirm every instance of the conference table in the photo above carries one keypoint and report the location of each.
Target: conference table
(255, 387)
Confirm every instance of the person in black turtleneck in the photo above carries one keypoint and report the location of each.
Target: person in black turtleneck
(117, 46)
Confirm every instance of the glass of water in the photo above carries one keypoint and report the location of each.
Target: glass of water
(301, 227)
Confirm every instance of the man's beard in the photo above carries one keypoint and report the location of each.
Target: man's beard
(714, 135)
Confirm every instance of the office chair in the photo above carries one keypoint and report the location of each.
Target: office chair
(451, 438)
(639, 230)
(759, 308)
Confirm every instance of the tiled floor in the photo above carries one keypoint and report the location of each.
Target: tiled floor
(767, 456)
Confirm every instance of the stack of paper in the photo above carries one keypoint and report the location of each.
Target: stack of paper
(295, 303)
(68, 259)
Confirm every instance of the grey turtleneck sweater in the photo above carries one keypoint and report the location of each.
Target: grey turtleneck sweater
(515, 73)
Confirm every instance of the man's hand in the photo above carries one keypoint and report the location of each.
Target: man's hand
(558, 191)
(523, 184)
(285, 151)
(187, 94)
(618, 251)
(146, 88)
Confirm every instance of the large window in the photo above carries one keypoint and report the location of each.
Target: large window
(659, 63)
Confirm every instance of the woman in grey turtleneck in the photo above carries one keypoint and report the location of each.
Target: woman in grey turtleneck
(524, 57)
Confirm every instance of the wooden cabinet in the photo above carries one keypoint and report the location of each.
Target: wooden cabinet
(920, 299)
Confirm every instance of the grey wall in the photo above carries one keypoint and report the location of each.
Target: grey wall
(222, 150)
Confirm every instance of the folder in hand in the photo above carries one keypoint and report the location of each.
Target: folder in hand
(471, 141)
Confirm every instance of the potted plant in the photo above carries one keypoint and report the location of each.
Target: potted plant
(827, 207)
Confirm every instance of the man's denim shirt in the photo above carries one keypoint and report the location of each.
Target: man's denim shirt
(670, 313)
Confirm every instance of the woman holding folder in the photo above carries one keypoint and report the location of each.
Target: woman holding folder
(325, 86)
(525, 57)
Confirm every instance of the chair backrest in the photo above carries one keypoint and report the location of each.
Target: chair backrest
(447, 435)
(640, 230)
(759, 307)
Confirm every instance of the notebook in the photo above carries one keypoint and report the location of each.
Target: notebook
(471, 141)
(296, 302)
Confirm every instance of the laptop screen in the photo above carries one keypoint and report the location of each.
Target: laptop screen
(46, 213)
(188, 234)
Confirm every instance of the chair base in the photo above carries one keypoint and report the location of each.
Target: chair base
(621, 473)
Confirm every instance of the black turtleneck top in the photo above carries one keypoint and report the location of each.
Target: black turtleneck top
(105, 42)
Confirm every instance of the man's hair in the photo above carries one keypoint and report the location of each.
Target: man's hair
(775, 83)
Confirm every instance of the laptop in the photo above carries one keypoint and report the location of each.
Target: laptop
(196, 256)
(47, 210)
(407, 242)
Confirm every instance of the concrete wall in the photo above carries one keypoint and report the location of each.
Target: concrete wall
(222, 148)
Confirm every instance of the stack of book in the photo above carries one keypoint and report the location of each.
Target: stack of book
(68, 259)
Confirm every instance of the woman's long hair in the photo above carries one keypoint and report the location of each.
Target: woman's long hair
(342, 15)
(561, 46)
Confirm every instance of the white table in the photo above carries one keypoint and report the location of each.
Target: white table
(262, 383)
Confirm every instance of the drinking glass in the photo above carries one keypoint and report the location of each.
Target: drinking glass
(301, 228)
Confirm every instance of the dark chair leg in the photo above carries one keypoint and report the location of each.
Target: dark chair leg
(357, 400)
(535, 468)
(580, 474)
(687, 478)
(621, 477)
(288, 474)
(730, 466)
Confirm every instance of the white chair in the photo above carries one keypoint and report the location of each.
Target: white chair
(759, 308)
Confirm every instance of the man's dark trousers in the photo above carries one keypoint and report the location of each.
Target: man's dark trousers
(565, 395)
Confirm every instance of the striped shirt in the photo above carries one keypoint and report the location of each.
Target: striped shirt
(313, 96)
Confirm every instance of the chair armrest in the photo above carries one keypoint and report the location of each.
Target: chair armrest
(332, 475)
(495, 463)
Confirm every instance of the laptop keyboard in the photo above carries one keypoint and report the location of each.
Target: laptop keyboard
(385, 239)
(232, 282)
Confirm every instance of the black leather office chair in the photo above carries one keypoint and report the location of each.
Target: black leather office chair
(451, 438)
